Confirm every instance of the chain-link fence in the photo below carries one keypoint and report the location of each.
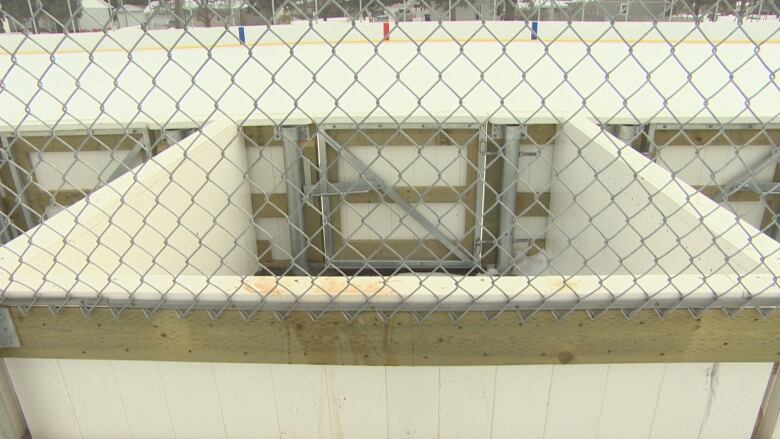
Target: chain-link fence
(354, 156)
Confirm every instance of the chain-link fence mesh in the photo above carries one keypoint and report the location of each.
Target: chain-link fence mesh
(355, 156)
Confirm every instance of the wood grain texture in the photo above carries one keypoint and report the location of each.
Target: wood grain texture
(401, 341)
(701, 137)
(77, 142)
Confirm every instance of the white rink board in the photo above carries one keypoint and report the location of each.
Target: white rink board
(268, 83)
(296, 401)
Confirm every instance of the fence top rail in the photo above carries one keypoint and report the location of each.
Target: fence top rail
(692, 120)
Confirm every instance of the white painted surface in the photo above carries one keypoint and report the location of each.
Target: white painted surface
(521, 401)
(530, 227)
(193, 400)
(770, 424)
(95, 397)
(184, 211)
(295, 401)
(302, 401)
(536, 172)
(143, 397)
(466, 397)
(721, 164)
(749, 211)
(412, 402)
(423, 165)
(629, 403)
(699, 223)
(714, 164)
(291, 94)
(637, 218)
(41, 390)
(357, 397)
(266, 169)
(246, 393)
(739, 391)
(682, 402)
(12, 423)
(277, 231)
(388, 221)
(576, 396)
(62, 170)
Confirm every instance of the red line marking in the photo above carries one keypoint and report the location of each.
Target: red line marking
(386, 27)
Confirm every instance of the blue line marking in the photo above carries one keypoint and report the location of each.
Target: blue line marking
(241, 34)
(534, 30)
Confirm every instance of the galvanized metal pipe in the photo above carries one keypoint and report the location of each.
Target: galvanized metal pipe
(294, 179)
(508, 196)
(21, 182)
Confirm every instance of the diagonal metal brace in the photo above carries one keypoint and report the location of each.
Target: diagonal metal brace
(747, 179)
(325, 188)
(376, 181)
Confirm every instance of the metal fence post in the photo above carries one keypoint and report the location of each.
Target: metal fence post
(294, 180)
(508, 198)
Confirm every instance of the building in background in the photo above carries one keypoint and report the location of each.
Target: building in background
(130, 15)
(96, 15)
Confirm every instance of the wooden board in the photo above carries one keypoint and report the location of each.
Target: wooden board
(269, 206)
(402, 341)
(701, 137)
(77, 142)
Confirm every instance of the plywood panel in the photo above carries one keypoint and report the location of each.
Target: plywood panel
(63, 170)
(277, 232)
(69, 143)
(738, 137)
(246, 393)
(193, 400)
(269, 205)
(358, 401)
(576, 395)
(412, 402)
(95, 397)
(708, 165)
(466, 396)
(736, 395)
(630, 398)
(302, 401)
(682, 401)
(13, 424)
(395, 250)
(535, 172)
(266, 169)
(521, 400)
(432, 165)
(530, 204)
(44, 398)
(531, 228)
(753, 213)
(387, 221)
(143, 398)
(413, 194)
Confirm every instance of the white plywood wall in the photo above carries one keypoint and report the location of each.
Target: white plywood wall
(635, 214)
(266, 177)
(464, 69)
(97, 399)
(186, 211)
(720, 164)
(536, 176)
